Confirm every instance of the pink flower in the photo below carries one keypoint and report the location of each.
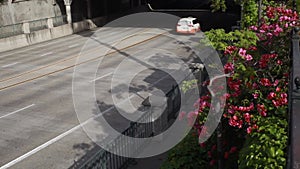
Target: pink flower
(229, 67)
(265, 82)
(278, 30)
(252, 48)
(276, 103)
(269, 34)
(262, 31)
(254, 85)
(253, 28)
(248, 57)
(276, 82)
(255, 95)
(235, 122)
(230, 111)
(286, 25)
(229, 50)
(242, 52)
(283, 95)
(181, 115)
(249, 130)
(262, 110)
(247, 117)
(271, 95)
(278, 89)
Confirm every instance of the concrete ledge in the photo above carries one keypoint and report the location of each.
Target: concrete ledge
(13, 42)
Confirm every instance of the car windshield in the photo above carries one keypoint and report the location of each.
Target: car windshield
(183, 22)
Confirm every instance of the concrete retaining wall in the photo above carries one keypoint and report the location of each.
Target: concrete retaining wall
(21, 11)
(22, 40)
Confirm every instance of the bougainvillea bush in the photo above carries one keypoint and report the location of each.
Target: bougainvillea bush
(255, 128)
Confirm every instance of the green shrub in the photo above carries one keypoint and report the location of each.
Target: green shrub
(187, 155)
(267, 148)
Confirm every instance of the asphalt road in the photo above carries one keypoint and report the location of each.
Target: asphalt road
(39, 127)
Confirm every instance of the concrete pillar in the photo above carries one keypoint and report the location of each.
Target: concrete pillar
(69, 14)
(26, 28)
(68, 10)
(50, 23)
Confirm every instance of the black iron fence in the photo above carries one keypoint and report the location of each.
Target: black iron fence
(145, 127)
(105, 160)
(294, 104)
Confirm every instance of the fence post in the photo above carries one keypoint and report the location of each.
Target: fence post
(158, 103)
(294, 104)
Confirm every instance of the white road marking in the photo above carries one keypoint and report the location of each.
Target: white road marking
(17, 111)
(49, 53)
(101, 77)
(48, 143)
(72, 46)
(9, 65)
(57, 138)
(37, 149)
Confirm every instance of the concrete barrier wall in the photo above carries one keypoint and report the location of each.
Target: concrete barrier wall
(22, 40)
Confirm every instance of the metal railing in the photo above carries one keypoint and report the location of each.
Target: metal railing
(294, 104)
(11, 30)
(105, 160)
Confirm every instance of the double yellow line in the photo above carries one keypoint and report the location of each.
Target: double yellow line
(69, 58)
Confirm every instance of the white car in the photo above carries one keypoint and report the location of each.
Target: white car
(188, 25)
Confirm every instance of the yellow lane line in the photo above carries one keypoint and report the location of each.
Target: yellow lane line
(53, 64)
(68, 67)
